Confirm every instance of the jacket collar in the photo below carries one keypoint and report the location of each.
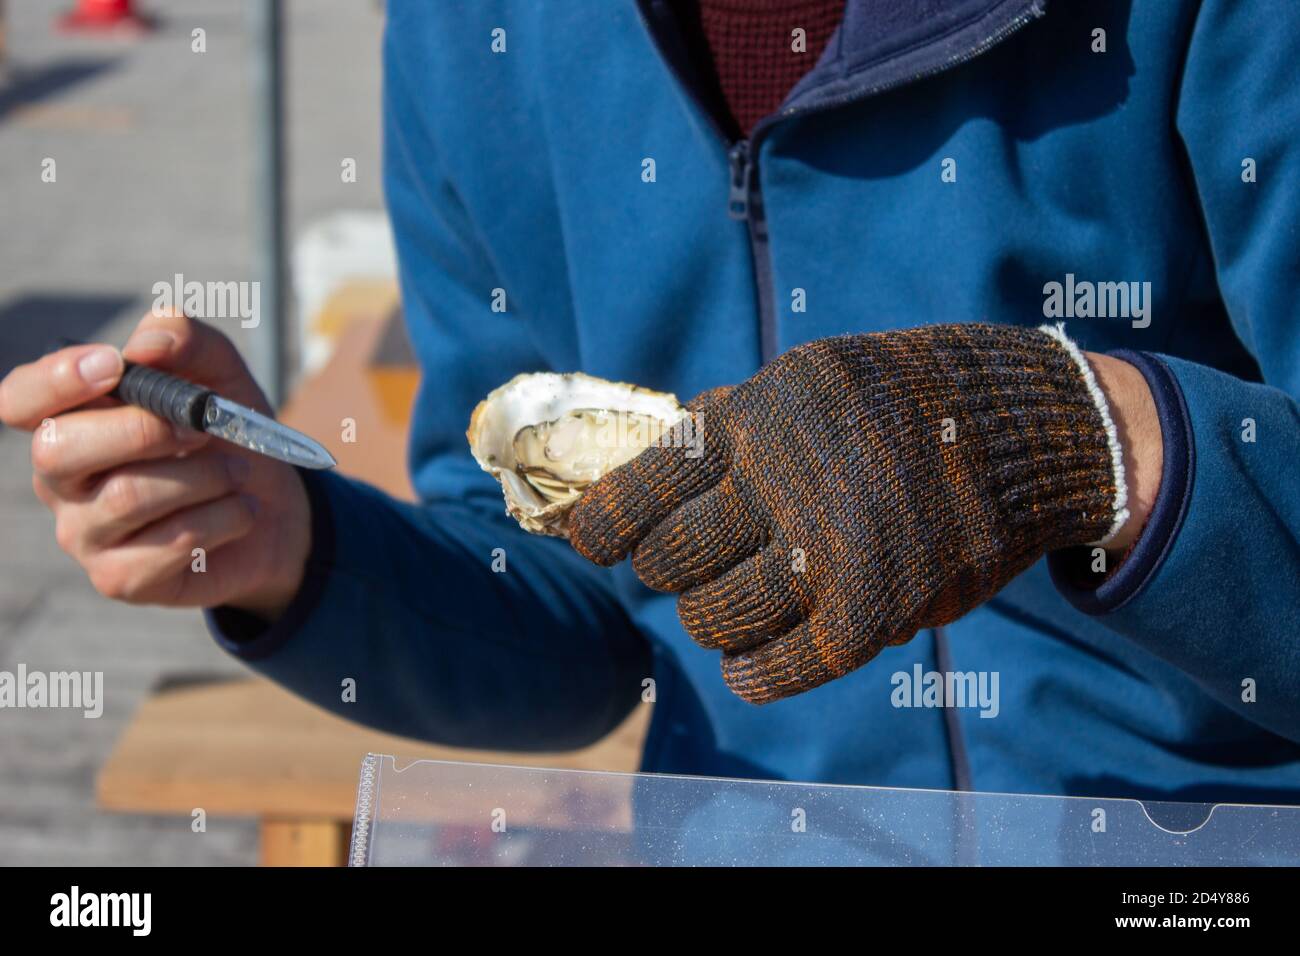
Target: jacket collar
(881, 44)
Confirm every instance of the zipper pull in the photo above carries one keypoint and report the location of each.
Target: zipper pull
(740, 170)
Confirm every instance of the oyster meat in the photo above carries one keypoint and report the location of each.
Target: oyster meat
(547, 436)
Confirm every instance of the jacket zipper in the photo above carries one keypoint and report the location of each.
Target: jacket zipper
(745, 202)
(745, 197)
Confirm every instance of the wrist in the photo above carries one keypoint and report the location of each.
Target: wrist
(291, 538)
(269, 603)
(1137, 424)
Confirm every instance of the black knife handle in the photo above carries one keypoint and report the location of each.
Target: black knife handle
(174, 399)
(171, 398)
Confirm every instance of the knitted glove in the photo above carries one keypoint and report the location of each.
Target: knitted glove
(858, 489)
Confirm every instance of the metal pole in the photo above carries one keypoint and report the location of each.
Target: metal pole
(268, 352)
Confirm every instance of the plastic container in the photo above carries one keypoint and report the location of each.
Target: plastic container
(437, 813)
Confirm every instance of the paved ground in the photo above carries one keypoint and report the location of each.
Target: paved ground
(150, 142)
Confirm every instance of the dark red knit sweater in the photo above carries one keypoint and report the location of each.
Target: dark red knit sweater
(748, 48)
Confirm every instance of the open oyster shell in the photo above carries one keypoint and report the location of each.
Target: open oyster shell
(547, 436)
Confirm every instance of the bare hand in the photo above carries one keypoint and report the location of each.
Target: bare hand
(134, 497)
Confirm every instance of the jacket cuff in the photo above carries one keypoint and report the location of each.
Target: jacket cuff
(248, 636)
(1071, 568)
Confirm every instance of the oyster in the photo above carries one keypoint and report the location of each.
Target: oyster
(547, 436)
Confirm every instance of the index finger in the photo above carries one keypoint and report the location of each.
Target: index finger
(57, 382)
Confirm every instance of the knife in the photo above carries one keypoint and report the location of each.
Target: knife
(193, 406)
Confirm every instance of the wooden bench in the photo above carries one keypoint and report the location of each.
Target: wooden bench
(249, 748)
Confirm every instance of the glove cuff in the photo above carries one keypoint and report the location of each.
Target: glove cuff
(1038, 428)
(1119, 503)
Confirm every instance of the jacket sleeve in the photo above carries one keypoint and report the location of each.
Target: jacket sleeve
(455, 626)
(1213, 585)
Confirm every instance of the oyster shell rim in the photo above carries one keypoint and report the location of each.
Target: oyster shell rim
(523, 503)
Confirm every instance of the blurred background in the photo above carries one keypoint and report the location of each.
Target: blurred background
(158, 139)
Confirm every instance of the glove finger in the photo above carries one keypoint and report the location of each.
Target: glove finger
(753, 602)
(703, 539)
(617, 512)
(825, 646)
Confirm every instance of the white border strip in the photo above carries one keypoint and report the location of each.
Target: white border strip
(1057, 332)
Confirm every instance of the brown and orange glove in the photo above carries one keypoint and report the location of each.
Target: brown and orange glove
(858, 489)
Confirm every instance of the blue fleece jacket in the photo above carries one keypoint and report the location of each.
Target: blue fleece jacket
(944, 161)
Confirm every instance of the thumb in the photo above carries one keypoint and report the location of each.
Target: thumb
(57, 382)
(619, 510)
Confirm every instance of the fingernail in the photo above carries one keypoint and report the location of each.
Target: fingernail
(100, 365)
(238, 469)
(151, 340)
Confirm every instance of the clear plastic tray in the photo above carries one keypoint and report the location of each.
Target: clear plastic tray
(439, 813)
